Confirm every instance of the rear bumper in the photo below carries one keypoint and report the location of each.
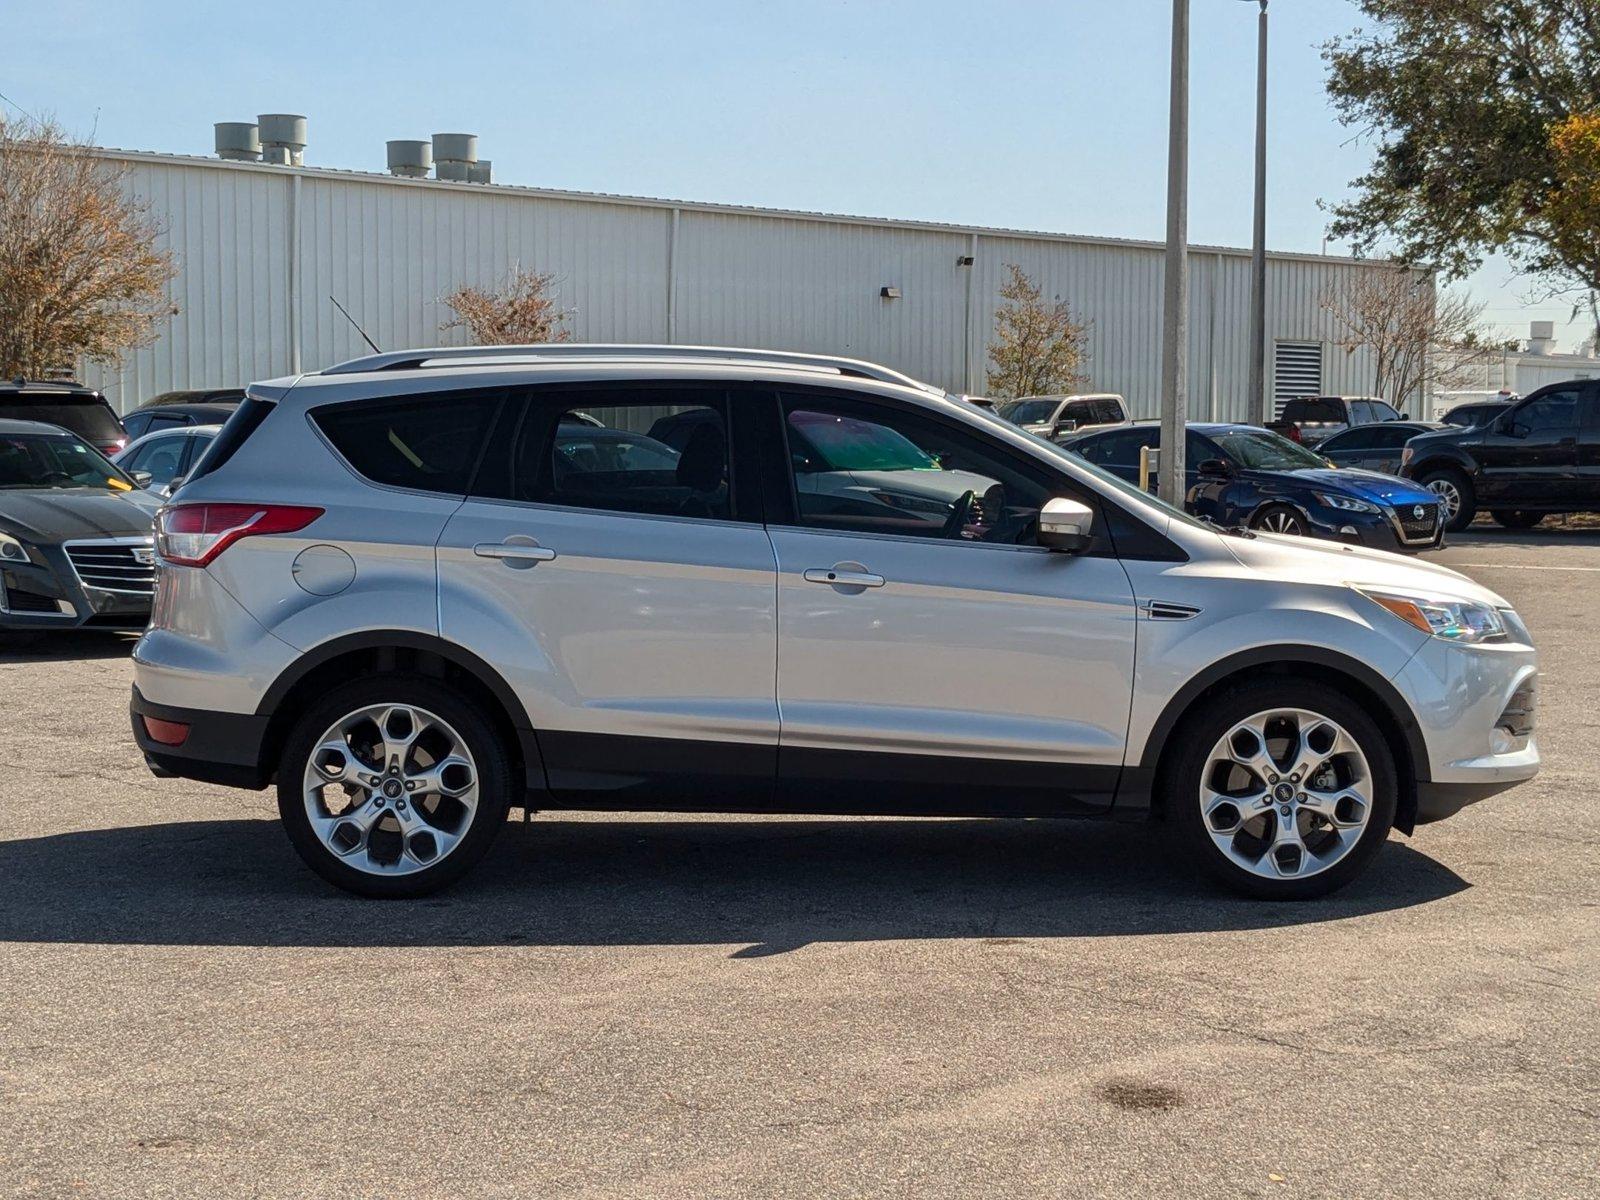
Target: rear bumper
(220, 747)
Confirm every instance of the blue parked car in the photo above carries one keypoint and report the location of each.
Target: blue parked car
(1246, 475)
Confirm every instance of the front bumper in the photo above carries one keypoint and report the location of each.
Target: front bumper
(219, 747)
(1474, 707)
(47, 592)
(1374, 531)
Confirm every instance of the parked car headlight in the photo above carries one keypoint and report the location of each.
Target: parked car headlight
(1345, 503)
(1464, 621)
(12, 550)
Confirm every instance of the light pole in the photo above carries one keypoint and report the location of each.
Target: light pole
(1257, 410)
(1175, 311)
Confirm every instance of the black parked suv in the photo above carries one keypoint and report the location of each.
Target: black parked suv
(72, 406)
(1540, 456)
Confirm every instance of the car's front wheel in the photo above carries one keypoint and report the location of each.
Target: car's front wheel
(1282, 789)
(1280, 518)
(393, 786)
(1458, 504)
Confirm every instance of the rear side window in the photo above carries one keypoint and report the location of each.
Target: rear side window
(246, 420)
(424, 443)
(1314, 410)
(1361, 413)
(659, 451)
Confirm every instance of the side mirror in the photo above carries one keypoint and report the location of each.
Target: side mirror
(1065, 426)
(143, 478)
(1215, 468)
(175, 483)
(1066, 525)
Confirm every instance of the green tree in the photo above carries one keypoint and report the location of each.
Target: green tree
(1484, 118)
(1038, 348)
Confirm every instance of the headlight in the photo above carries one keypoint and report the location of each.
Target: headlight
(11, 550)
(1345, 503)
(1406, 455)
(1464, 621)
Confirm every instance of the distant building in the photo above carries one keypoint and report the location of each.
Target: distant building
(262, 246)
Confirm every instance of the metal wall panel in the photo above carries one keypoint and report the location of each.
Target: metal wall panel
(261, 250)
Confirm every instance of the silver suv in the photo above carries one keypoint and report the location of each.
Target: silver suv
(417, 590)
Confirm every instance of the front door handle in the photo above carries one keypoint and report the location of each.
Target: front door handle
(839, 577)
(520, 554)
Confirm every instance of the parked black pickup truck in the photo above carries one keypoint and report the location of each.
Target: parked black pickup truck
(1309, 419)
(1540, 456)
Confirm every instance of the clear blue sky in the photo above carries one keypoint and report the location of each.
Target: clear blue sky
(1035, 115)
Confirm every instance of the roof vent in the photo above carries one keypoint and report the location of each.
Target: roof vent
(481, 171)
(237, 141)
(453, 154)
(410, 160)
(283, 139)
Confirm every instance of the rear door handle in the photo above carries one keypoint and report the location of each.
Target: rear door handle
(837, 578)
(514, 554)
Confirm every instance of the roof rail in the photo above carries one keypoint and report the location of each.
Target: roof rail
(411, 360)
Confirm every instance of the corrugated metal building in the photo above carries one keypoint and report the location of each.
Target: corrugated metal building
(261, 248)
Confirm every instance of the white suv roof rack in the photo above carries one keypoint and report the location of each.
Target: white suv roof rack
(439, 356)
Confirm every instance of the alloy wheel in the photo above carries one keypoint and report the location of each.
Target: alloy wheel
(1281, 520)
(1449, 498)
(390, 789)
(1286, 793)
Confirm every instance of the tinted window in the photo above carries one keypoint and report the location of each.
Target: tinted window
(1552, 413)
(1119, 449)
(1030, 412)
(1360, 412)
(246, 420)
(87, 416)
(1314, 410)
(1387, 437)
(428, 443)
(1110, 411)
(869, 468)
(1384, 411)
(662, 452)
(1362, 437)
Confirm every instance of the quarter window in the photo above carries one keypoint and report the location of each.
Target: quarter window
(1554, 412)
(427, 443)
(867, 468)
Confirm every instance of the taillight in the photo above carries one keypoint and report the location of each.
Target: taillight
(1294, 433)
(191, 535)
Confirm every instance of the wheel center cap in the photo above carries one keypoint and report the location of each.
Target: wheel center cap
(1283, 793)
(392, 789)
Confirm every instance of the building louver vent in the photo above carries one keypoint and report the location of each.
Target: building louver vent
(1296, 371)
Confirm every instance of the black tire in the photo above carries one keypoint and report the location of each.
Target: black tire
(1436, 479)
(1516, 518)
(495, 782)
(1270, 515)
(1184, 767)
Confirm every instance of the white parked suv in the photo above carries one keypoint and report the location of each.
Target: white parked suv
(744, 584)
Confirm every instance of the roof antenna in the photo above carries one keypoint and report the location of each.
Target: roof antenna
(357, 324)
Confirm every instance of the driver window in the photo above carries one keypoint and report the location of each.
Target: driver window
(867, 468)
(160, 457)
(1553, 413)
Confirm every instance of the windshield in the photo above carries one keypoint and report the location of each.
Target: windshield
(831, 443)
(1263, 450)
(1029, 412)
(56, 460)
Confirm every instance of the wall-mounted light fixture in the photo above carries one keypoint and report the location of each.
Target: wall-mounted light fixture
(889, 293)
(965, 260)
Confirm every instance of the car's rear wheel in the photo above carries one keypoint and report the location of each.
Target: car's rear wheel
(1516, 518)
(393, 786)
(1458, 504)
(1280, 518)
(1282, 789)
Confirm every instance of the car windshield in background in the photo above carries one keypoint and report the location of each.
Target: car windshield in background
(1029, 412)
(844, 444)
(55, 460)
(1262, 450)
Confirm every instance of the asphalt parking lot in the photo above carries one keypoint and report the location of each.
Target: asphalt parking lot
(664, 1006)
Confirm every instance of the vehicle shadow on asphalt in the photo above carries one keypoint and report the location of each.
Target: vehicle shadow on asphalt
(65, 646)
(764, 886)
(1548, 534)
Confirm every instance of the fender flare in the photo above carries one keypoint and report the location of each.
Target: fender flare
(1312, 656)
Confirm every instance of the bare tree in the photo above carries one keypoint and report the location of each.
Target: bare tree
(521, 310)
(82, 275)
(1420, 341)
(1038, 349)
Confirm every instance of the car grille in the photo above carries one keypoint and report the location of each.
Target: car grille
(1414, 528)
(114, 566)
